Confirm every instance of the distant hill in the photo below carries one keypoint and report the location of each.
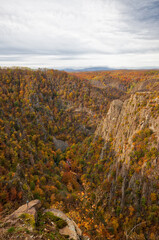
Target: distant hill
(95, 69)
(90, 69)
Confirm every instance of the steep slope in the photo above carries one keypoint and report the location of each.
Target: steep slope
(131, 133)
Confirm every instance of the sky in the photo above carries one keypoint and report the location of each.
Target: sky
(79, 33)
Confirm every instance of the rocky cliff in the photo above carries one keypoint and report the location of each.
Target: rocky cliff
(131, 132)
(125, 119)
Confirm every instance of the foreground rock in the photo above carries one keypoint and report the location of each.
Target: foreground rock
(30, 221)
(30, 208)
(24, 218)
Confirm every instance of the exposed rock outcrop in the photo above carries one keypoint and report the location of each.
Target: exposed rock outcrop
(29, 208)
(136, 117)
(59, 144)
(124, 119)
(25, 220)
(71, 229)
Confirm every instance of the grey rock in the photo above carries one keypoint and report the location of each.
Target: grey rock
(59, 144)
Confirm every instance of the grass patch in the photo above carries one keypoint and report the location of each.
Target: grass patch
(11, 230)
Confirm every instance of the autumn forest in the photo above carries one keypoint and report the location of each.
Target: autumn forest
(86, 143)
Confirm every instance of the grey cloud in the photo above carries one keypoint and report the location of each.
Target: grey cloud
(143, 16)
(76, 30)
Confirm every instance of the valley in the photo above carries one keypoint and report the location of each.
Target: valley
(85, 143)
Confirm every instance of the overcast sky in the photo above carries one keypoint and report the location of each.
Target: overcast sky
(79, 33)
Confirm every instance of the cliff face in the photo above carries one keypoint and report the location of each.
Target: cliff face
(125, 119)
(132, 130)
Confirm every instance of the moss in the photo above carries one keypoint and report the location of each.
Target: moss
(28, 219)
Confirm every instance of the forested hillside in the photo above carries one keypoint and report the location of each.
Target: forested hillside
(85, 143)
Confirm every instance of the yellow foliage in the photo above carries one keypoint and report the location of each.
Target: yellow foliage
(115, 223)
(52, 198)
(152, 236)
(131, 209)
(153, 197)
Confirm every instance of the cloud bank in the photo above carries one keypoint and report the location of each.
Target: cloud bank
(85, 33)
